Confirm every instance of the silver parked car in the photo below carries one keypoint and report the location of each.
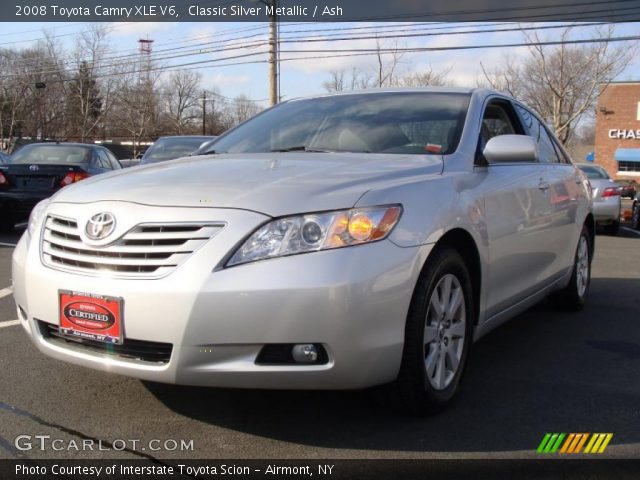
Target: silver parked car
(607, 201)
(334, 242)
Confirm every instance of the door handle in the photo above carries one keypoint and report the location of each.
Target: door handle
(543, 185)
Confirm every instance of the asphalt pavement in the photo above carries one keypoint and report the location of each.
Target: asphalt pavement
(544, 371)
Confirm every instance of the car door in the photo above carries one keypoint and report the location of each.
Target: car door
(563, 193)
(518, 218)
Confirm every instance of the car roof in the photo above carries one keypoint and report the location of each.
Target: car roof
(205, 137)
(377, 91)
(61, 144)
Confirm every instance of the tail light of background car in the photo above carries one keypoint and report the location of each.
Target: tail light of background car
(611, 192)
(3, 180)
(73, 177)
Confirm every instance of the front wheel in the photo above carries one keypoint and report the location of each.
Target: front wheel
(574, 295)
(438, 334)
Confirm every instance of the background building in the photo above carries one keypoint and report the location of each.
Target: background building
(618, 129)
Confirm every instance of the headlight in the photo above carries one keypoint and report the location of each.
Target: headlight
(317, 231)
(35, 217)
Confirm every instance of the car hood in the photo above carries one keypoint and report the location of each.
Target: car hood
(273, 184)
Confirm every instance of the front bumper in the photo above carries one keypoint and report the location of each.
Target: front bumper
(353, 301)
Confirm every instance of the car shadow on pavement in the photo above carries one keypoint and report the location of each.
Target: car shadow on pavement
(544, 371)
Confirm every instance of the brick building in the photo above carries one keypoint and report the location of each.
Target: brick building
(618, 130)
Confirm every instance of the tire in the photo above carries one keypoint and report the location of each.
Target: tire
(635, 216)
(574, 295)
(612, 228)
(428, 378)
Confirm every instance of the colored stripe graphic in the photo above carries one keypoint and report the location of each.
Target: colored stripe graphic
(568, 442)
(596, 445)
(543, 443)
(572, 443)
(550, 443)
(606, 442)
(581, 443)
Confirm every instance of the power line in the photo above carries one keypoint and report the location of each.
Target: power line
(336, 53)
(259, 44)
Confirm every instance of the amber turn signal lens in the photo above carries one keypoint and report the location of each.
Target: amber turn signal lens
(388, 221)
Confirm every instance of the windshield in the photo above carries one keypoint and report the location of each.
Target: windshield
(171, 148)
(52, 154)
(593, 172)
(401, 123)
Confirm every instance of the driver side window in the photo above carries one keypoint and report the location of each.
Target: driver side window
(499, 119)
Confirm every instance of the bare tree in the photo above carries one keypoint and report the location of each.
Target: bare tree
(335, 82)
(562, 82)
(137, 104)
(90, 97)
(242, 108)
(181, 99)
(387, 62)
(355, 79)
(13, 96)
(425, 78)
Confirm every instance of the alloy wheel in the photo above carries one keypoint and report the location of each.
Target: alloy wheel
(444, 332)
(582, 266)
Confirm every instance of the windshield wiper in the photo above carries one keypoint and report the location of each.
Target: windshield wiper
(299, 148)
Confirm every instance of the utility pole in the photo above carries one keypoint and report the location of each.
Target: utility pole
(204, 112)
(40, 86)
(273, 54)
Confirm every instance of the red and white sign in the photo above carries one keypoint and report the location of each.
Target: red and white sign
(94, 317)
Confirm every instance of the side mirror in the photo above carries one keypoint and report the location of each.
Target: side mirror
(511, 149)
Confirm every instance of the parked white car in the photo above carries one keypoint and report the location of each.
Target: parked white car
(334, 242)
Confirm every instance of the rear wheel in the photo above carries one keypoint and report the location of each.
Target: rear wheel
(573, 296)
(438, 334)
(635, 216)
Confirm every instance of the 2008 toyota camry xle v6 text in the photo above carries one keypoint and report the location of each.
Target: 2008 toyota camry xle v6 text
(334, 242)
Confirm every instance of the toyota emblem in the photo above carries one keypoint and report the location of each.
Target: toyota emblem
(34, 168)
(100, 226)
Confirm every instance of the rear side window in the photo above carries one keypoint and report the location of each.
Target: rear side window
(546, 148)
(593, 172)
(548, 152)
(104, 160)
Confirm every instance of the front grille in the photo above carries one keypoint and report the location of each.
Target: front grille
(147, 250)
(154, 352)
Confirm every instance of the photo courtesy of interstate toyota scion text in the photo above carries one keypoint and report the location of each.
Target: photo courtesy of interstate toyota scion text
(335, 242)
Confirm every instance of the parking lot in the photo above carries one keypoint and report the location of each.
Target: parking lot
(545, 371)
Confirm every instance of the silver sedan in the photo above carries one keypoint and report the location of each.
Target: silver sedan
(334, 242)
(607, 201)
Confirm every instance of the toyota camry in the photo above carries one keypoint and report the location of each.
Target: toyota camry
(334, 242)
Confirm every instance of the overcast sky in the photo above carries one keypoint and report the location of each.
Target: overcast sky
(304, 77)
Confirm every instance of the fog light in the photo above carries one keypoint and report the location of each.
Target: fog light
(305, 353)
